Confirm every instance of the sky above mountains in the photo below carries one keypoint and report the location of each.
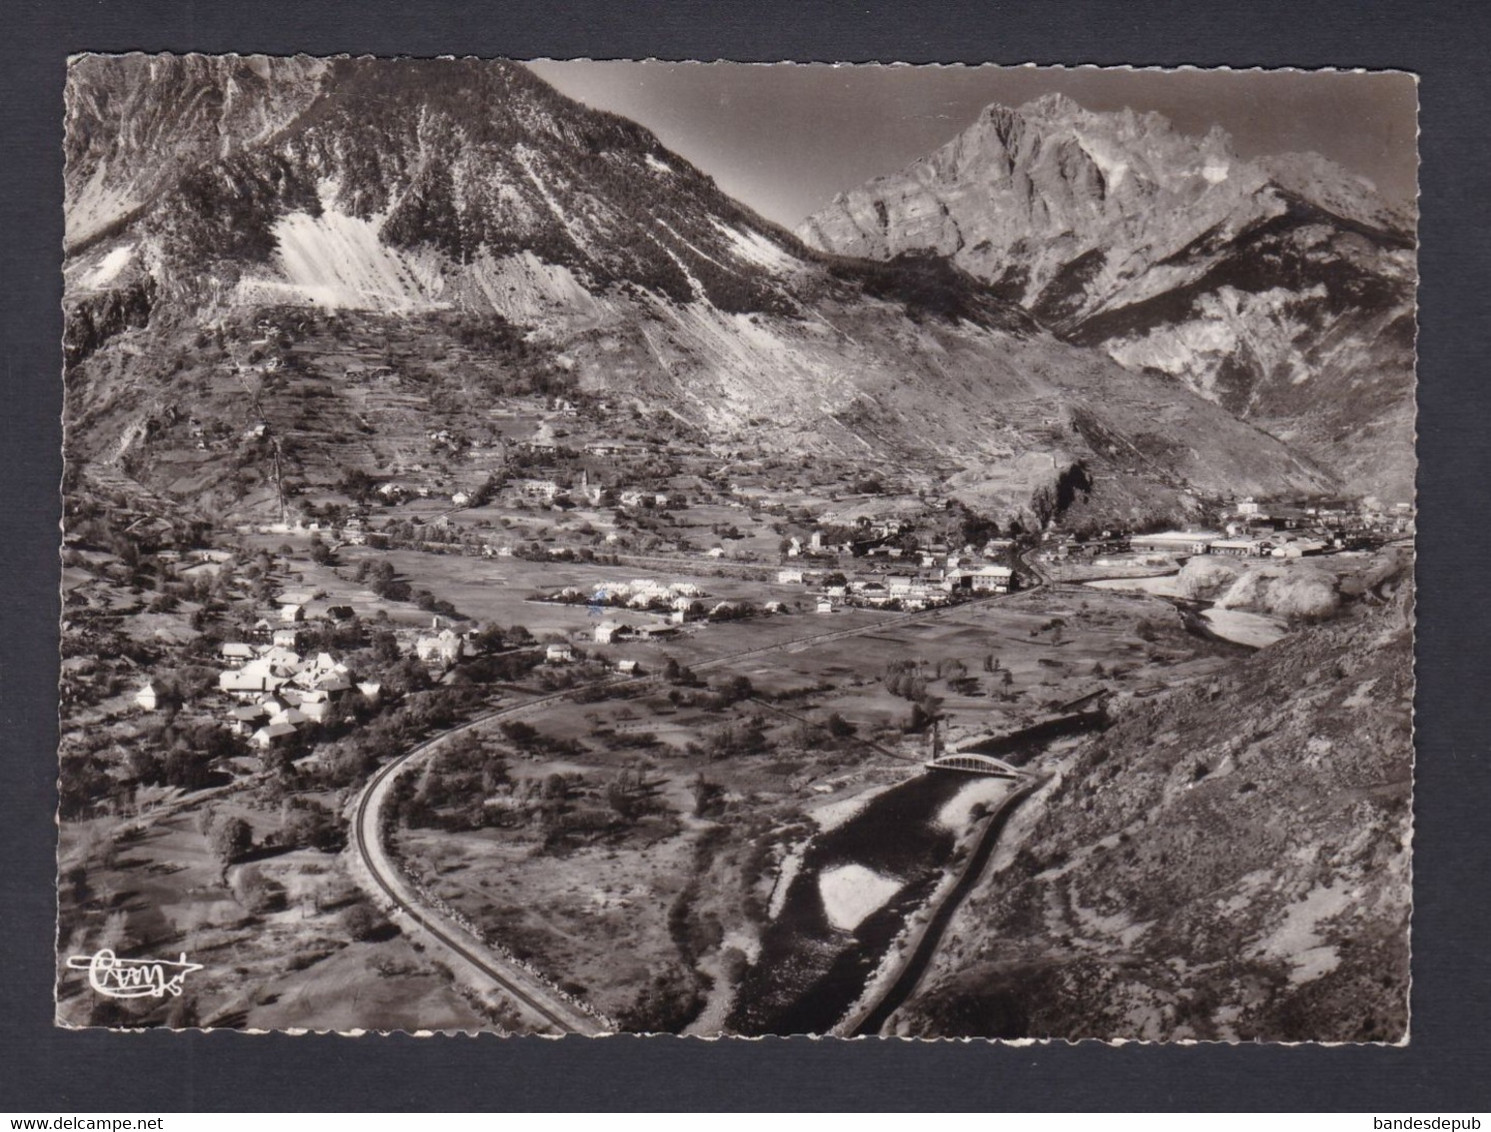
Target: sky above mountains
(786, 139)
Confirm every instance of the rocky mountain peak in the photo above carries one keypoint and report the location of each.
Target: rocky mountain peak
(1241, 277)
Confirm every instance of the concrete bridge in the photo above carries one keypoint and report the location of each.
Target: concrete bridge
(971, 762)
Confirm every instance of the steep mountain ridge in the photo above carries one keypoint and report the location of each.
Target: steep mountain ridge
(135, 123)
(1281, 287)
(406, 188)
(1227, 862)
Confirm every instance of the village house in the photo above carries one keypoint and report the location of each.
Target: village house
(543, 491)
(286, 638)
(559, 654)
(294, 716)
(316, 705)
(461, 499)
(272, 733)
(147, 698)
(243, 720)
(251, 681)
(235, 654)
(606, 447)
(789, 577)
(1300, 547)
(1240, 547)
(656, 632)
(292, 613)
(281, 661)
(445, 647)
(324, 673)
(986, 579)
(608, 631)
(627, 667)
(825, 605)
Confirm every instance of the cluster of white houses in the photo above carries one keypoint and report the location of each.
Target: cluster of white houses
(278, 689)
(909, 591)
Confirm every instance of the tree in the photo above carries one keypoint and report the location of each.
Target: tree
(839, 727)
(623, 799)
(738, 688)
(313, 826)
(520, 734)
(363, 922)
(256, 892)
(706, 794)
(231, 839)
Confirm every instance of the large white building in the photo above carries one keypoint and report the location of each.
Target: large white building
(1176, 542)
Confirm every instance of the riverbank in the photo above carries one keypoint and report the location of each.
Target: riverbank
(1242, 627)
(852, 892)
(906, 962)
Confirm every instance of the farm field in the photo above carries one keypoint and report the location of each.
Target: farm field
(161, 889)
(677, 902)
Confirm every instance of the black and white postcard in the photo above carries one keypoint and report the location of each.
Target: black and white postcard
(718, 549)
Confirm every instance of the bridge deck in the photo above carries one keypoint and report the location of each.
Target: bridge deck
(974, 764)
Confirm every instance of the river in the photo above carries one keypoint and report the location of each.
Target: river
(849, 897)
(1238, 626)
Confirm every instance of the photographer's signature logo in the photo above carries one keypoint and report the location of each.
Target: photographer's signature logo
(133, 978)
